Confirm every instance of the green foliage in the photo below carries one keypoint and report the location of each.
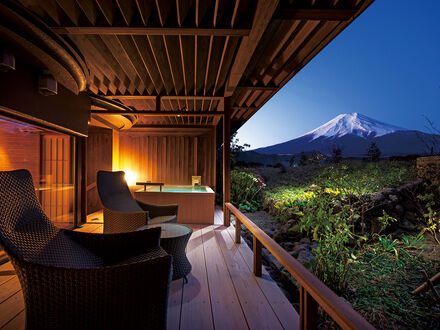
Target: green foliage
(246, 190)
(431, 201)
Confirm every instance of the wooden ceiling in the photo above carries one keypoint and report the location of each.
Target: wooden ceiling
(187, 55)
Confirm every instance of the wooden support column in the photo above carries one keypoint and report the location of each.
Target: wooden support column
(227, 161)
(308, 310)
(80, 179)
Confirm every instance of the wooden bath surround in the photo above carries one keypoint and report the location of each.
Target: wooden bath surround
(194, 207)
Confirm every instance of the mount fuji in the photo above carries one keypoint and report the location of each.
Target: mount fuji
(353, 133)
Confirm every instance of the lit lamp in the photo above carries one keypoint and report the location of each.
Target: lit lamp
(130, 177)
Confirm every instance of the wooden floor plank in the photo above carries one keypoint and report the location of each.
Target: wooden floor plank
(9, 288)
(256, 308)
(17, 323)
(196, 304)
(226, 308)
(89, 227)
(11, 307)
(175, 304)
(7, 272)
(282, 307)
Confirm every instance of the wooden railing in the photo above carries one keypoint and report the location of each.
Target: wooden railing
(313, 292)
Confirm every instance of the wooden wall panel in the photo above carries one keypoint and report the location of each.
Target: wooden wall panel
(169, 158)
(99, 157)
(19, 149)
(57, 179)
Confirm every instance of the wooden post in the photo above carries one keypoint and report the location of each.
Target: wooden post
(308, 310)
(80, 178)
(257, 256)
(226, 161)
(237, 231)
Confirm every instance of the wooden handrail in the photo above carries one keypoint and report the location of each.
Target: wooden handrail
(311, 287)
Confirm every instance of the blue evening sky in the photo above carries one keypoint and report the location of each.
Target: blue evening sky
(385, 65)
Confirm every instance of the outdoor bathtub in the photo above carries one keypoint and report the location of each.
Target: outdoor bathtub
(196, 204)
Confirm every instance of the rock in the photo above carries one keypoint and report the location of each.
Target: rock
(399, 210)
(397, 233)
(388, 191)
(365, 197)
(377, 197)
(393, 198)
(294, 254)
(304, 240)
(305, 257)
(410, 216)
(299, 247)
(287, 245)
(314, 245)
(409, 205)
(405, 224)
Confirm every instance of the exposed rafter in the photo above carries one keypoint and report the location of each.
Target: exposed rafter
(315, 14)
(159, 31)
(265, 10)
(159, 113)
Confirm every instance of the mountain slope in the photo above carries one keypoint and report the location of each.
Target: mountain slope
(353, 133)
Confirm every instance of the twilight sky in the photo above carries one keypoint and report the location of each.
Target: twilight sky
(385, 65)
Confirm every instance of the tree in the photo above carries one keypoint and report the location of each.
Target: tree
(336, 155)
(236, 149)
(373, 152)
(292, 160)
(303, 159)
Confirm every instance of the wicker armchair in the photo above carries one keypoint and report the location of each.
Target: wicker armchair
(123, 213)
(75, 280)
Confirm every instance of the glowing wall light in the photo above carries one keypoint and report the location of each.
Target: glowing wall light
(130, 177)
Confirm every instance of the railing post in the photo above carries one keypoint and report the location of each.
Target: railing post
(308, 310)
(237, 230)
(257, 256)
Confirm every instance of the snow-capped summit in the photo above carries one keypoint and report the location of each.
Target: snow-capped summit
(355, 124)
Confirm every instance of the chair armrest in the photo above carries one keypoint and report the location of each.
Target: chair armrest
(126, 296)
(113, 248)
(158, 210)
(119, 222)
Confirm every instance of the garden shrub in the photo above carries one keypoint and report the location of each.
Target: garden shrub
(246, 190)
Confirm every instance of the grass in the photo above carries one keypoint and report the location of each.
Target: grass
(381, 289)
(355, 177)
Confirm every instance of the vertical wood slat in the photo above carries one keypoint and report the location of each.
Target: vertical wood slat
(226, 161)
(257, 247)
(308, 310)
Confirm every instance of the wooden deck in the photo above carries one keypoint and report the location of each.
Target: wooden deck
(221, 292)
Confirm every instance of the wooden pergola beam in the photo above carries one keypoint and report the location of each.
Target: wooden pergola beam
(258, 88)
(151, 31)
(315, 14)
(164, 97)
(158, 113)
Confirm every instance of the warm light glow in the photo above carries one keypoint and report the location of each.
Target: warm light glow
(130, 177)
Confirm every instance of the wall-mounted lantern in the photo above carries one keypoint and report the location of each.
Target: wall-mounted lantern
(7, 61)
(47, 85)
